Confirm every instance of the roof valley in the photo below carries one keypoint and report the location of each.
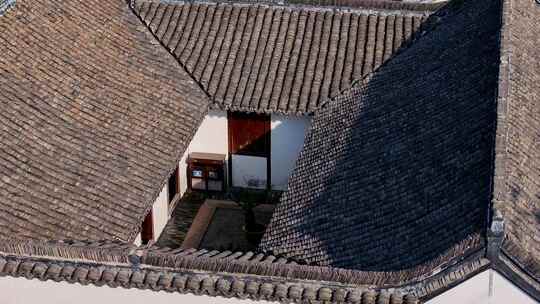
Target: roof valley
(263, 77)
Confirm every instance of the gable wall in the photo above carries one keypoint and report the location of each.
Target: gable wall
(486, 287)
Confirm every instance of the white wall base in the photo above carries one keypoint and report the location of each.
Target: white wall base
(24, 291)
(488, 287)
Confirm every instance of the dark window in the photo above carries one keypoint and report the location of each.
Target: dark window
(147, 231)
(249, 134)
(174, 184)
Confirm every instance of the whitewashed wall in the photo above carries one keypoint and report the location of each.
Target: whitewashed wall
(487, 287)
(138, 240)
(160, 215)
(160, 211)
(287, 139)
(24, 291)
(211, 137)
(249, 171)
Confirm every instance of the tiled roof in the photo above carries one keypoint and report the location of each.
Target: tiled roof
(227, 274)
(268, 58)
(423, 145)
(94, 114)
(517, 170)
(389, 201)
(421, 5)
(397, 170)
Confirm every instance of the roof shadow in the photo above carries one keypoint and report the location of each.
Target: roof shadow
(396, 173)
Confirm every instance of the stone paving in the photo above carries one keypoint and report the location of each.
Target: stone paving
(182, 218)
(225, 231)
(177, 228)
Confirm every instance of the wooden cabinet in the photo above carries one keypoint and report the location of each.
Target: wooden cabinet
(206, 172)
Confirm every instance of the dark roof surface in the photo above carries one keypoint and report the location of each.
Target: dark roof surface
(283, 59)
(94, 115)
(517, 175)
(395, 173)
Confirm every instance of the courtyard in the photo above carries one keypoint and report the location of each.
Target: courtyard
(213, 222)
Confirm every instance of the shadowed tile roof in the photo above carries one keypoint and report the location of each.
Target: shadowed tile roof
(396, 171)
(94, 114)
(283, 59)
(405, 166)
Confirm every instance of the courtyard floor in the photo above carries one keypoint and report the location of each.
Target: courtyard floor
(198, 222)
(181, 219)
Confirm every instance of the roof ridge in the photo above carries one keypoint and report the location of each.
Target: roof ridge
(359, 5)
(253, 263)
(244, 274)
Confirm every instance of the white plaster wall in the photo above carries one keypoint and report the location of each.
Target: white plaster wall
(138, 240)
(505, 292)
(160, 215)
(245, 168)
(160, 211)
(287, 138)
(211, 137)
(24, 291)
(183, 173)
(487, 287)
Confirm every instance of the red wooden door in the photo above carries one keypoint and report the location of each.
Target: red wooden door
(249, 134)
